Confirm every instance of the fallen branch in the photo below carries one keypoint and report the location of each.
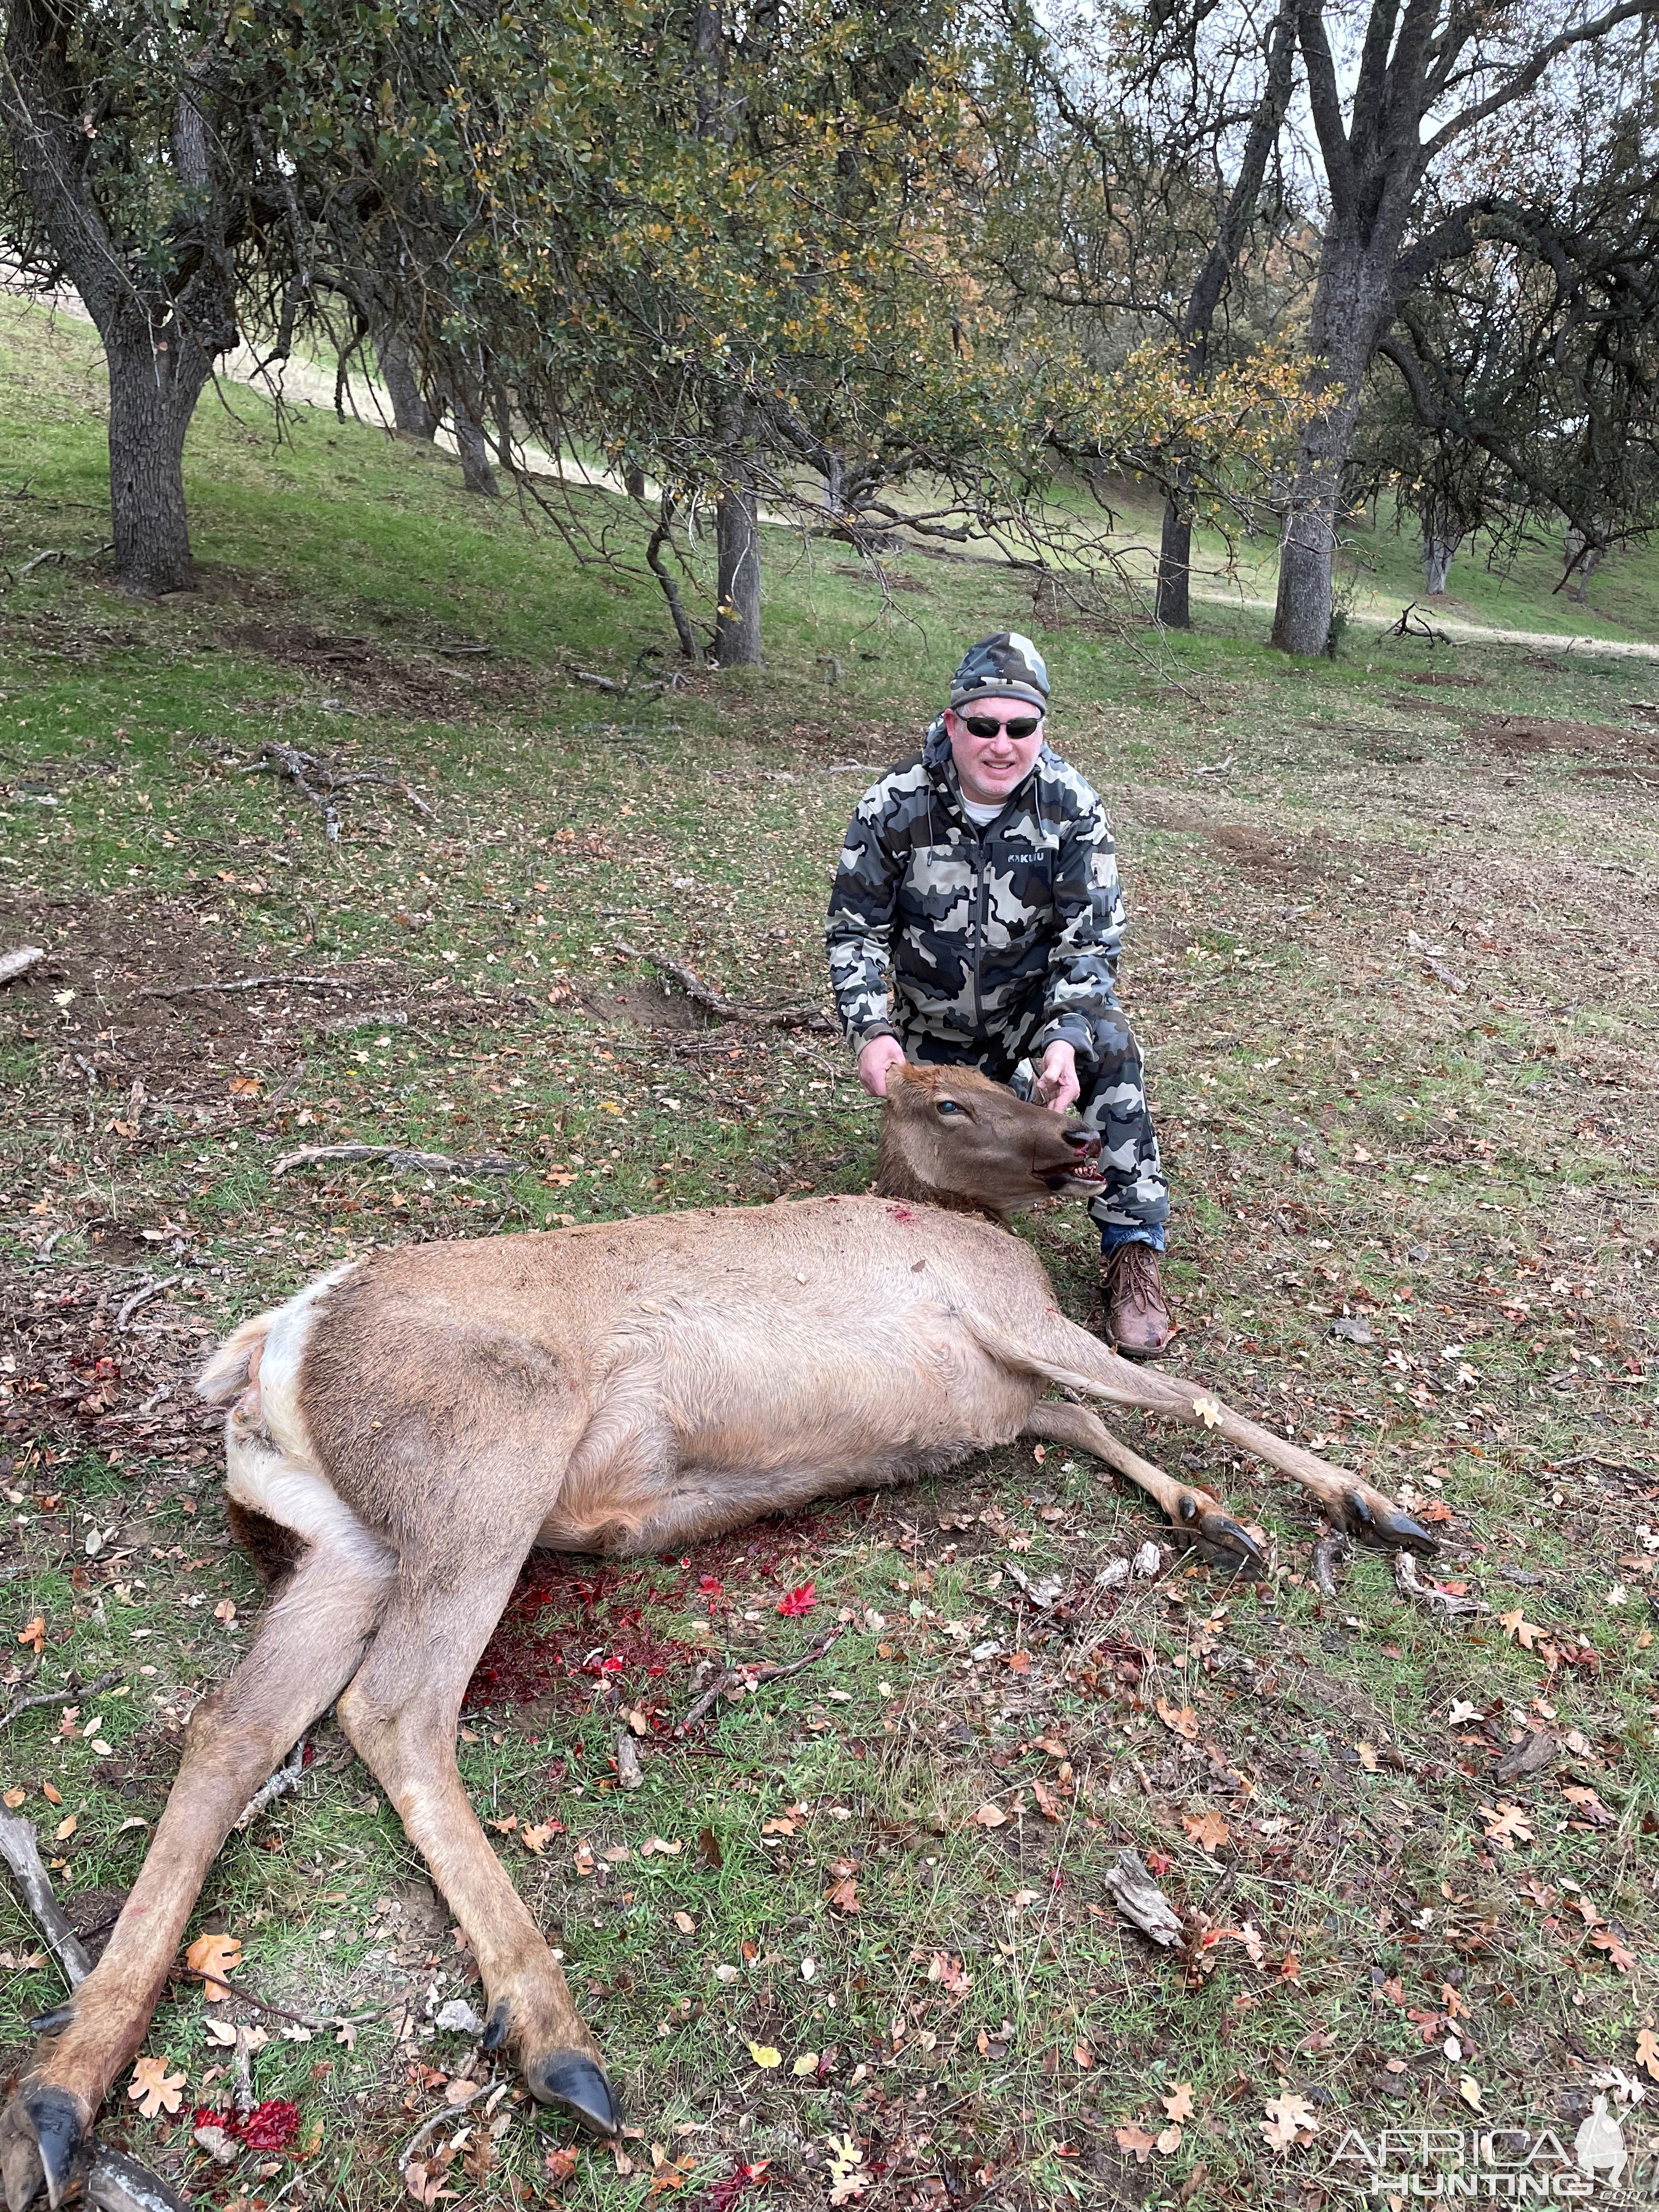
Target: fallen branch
(1331, 1551)
(1442, 1605)
(437, 2119)
(234, 1989)
(316, 779)
(246, 983)
(65, 1696)
(142, 1297)
(755, 1677)
(13, 964)
(21, 1853)
(398, 1156)
(115, 2182)
(1220, 768)
(728, 1010)
(287, 1777)
(1140, 1900)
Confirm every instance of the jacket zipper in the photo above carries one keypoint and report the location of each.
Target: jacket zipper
(979, 924)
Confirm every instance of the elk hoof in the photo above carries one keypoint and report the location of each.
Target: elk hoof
(1390, 1529)
(1237, 1548)
(43, 2140)
(567, 2078)
(501, 2019)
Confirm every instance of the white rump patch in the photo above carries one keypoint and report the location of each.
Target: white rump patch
(279, 1368)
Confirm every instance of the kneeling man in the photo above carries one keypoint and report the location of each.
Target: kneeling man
(981, 873)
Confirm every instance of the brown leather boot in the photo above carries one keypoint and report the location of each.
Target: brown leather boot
(1136, 1322)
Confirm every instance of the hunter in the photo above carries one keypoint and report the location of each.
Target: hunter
(981, 873)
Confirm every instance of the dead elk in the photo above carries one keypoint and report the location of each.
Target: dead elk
(401, 1433)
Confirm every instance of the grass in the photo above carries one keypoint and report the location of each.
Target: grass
(1455, 1143)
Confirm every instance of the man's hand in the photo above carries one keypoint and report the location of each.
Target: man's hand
(1056, 1087)
(881, 1055)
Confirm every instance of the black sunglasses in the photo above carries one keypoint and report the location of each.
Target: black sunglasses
(983, 725)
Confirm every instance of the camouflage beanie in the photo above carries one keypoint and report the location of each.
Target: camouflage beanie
(1007, 666)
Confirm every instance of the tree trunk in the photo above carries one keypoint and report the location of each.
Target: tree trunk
(738, 622)
(1174, 560)
(474, 449)
(1353, 308)
(152, 398)
(412, 416)
(1438, 546)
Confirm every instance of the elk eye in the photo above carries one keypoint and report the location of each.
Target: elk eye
(948, 1106)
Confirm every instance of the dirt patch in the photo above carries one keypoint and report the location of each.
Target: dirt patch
(1513, 736)
(182, 1051)
(642, 1004)
(435, 683)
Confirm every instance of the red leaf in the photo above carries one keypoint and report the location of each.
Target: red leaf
(801, 1599)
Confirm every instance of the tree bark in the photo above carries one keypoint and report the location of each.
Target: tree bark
(1440, 542)
(738, 621)
(411, 414)
(1175, 563)
(473, 446)
(151, 401)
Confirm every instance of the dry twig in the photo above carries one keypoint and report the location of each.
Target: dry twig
(246, 983)
(21, 1853)
(758, 1676)
(62, 1697)
(142, 1297)
(397, 1155)
(1441, 1605)
(782, 1017)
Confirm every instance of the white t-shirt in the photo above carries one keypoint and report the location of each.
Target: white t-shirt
(983, 815)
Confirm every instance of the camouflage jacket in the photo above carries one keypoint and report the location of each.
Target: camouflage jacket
(1007, 936)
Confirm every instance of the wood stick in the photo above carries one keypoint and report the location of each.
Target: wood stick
(142, 1297)
(397, 1155)
(64, 1697)
(13, 964)
(246, 983)
(21, 1853)
(288, 1776)
(760, 1674)
(437, 2120)
(783, 1018)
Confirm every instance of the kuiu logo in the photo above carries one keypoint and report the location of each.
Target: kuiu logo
(1496, 2165)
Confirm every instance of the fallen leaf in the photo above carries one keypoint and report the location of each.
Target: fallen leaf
(65, 1827)
(559, 2164)
(1178, 2104)
(805, 2065)
(1169, 2143)
(844, 1892)
(1208, 1411)
(1367, 1756)
(765, 2057)
(1519, 1630)
(153, 2089)
(34, 1633)
(13, 1798)
(990, 1816)
(1134, 2138)
(1617, 1953)
(798, 1601)
(1287, 2115)
(1508, 1826)
(214, 1956)
(1469, 2090)
(685, 1924)
(1590, 1805)
(1048, 1804)
(1207, 1830)
(1647, 2052)
(49, 1791)
(535, 1840)
(1181, 1719)
(225, 1611)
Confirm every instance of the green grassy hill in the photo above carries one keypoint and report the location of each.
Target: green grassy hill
(1393, 959)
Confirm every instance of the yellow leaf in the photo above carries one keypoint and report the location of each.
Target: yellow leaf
(1469, 2090)
(805, 2065)
(764, 2056)
(153, 2089)
(213, 1957)
(1208, 1411)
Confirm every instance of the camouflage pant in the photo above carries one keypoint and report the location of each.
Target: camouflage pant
(1135, 1203)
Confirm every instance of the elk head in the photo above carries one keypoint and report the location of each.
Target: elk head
(951, 1137)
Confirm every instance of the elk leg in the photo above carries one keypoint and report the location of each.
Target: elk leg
(1194, 1511)
(1065, 1354)
(308, 1646)
(400, 1713)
